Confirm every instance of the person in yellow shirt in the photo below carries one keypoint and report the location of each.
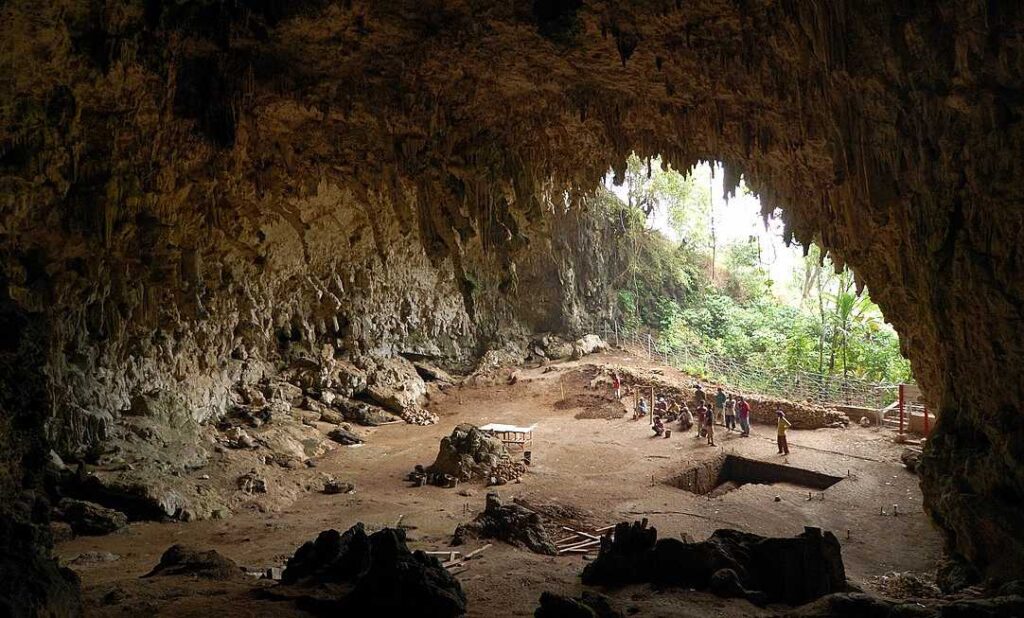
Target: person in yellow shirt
(784, 424)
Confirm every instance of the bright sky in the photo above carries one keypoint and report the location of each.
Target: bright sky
(737, 219)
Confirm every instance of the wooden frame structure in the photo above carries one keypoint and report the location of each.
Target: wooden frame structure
(511, 435)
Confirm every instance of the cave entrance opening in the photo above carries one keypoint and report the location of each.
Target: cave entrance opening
(709, 278)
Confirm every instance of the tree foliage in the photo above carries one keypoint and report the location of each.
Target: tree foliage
(669, 287)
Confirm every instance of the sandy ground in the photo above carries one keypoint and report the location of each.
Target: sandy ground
(614, 470)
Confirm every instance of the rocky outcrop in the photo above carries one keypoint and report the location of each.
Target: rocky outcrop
(363, 575)
(468, 453)
(195, 192)
(729, 564)
(512, 523)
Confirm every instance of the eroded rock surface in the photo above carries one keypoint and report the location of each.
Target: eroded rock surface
(198, 194)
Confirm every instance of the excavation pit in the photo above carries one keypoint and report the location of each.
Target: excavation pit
(725, 473)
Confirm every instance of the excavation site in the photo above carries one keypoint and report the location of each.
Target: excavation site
(551, 308)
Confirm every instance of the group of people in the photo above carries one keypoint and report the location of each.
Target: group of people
(723, 409)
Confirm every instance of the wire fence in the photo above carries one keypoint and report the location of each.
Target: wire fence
(793, 385)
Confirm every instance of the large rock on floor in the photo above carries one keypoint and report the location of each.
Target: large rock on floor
(369, 575)
(511, 523)
(393, 383)
(90, 519)
(205, 564)
(468, 453)
(731, 563)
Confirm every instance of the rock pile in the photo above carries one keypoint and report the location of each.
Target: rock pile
(512, 523)
(506, 471)
(468, 453)
(803, 415)
(419, 416)
(369, 575)
(729, 564)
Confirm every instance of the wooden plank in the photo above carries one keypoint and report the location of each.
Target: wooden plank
(589, 536)
(449, 564)
(581, 550)
(567, 539)
(578, 546)
(475, 552)
(605, 529)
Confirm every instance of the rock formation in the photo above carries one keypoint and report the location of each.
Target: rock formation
(358, 574)
(194, 194)
(729, 564)
(512, 523)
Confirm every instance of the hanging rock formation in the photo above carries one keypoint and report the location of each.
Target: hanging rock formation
(194, 193)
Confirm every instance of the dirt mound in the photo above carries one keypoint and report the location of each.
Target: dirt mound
(512, 523)
(802, 414)
(182, 560)
(730, 563)
(369, 575)
(468, 453)
(592, 406)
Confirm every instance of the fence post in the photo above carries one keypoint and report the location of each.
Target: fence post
(649, 347)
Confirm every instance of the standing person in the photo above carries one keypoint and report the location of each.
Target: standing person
(711, 426)
(743, 411)
(617, 384)
(784, 424)
(720, 406)
(700, 421)
(730, 413)
(699, 396)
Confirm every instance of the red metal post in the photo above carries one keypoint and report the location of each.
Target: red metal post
(901, 409)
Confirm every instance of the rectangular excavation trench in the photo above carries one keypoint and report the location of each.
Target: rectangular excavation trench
(724, 473)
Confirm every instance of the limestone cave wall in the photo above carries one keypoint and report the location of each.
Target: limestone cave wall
(193, 189)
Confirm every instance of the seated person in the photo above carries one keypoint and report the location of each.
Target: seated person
(641, 408)
(658, 427)
(661, 405)
(685, 417)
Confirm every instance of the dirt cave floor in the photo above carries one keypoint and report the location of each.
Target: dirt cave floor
(605, 470)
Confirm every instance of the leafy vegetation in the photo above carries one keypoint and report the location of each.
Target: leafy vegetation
(722, 301)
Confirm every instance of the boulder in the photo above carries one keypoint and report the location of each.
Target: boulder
(730, 563)
(468, 453)
(911, 459)
(90, 519)
(588, 344)
(182, 560)
(364, 413)
(393, 383)
(512, 523)
(344, 436)
(334, 486)
(589, 605)
(376, 575)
